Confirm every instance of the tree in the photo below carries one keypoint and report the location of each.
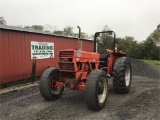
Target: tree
(2, 21)
(82, 36)
(150, 50)
(105, 41)
(151, 46)
(68, 31)
(35, 27)
(58, 32)
(155, 36)
(49, 28)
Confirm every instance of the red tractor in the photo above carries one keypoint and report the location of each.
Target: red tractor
(89, 71)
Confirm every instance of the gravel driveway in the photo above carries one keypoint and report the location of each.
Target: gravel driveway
(142, 102)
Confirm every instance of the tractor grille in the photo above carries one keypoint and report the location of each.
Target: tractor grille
(67, 66)
(66, 53)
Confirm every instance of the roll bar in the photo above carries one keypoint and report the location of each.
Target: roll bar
(98, 33)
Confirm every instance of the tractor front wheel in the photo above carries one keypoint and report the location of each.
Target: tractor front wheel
(122, 73)
(96, 90)
(47, 84)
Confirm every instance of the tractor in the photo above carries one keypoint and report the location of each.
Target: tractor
(89, 71)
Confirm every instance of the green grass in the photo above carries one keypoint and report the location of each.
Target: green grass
(152, 62)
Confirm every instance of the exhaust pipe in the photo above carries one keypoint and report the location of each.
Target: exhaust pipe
(79, 41)
(79, 35)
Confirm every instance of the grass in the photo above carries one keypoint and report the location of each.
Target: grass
(152, 62)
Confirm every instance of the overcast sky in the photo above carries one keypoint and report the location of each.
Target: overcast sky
(137, 18)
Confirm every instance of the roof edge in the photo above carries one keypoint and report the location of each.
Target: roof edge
(14, 28)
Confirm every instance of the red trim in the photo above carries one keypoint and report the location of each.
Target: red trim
(81, 86)
(59, 84)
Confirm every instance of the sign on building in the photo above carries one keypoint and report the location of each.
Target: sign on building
(42, 50)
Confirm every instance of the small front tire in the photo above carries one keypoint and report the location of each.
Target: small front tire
(46, 84)
(96, 90)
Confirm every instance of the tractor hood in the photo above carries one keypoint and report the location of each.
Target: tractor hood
(79, 55)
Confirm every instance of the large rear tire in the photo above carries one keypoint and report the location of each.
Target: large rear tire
(122, 73)
(96, 90)
(46, 84)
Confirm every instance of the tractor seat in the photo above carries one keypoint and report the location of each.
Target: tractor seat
(103, 57)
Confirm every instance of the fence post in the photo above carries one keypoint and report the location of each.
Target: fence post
(33, 75)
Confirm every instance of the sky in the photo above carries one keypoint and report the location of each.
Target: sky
(136, 18)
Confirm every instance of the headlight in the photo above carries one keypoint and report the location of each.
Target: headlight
(78, 53)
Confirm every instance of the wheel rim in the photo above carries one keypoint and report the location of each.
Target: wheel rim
(102, 90)
(127, 76)
(55, 90)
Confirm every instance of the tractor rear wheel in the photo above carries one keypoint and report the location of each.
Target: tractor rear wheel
(122, 73)
(96, 90)
(47, 84)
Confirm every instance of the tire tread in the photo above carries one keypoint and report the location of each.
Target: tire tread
(119, 75)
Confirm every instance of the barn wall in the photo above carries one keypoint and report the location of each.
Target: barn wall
(15, 53)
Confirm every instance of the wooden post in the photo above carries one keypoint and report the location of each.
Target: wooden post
(33, 75)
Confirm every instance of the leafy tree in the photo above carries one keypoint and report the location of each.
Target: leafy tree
(155, 36)
(105, 41)
(126, 44)
(2, 21)
(68, 31)
(35, 27)
(151, 46)
(136, 51)
(83, 35)
(150, 50)
(26, 26)
(58, 32)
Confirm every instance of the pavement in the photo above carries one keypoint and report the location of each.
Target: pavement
(141, 103)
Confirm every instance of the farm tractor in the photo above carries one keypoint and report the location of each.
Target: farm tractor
(89, 71)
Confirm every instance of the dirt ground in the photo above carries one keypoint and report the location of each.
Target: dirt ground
(142, 102)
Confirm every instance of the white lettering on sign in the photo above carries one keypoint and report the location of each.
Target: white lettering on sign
(42, 50)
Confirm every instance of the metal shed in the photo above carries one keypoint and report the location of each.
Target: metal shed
(15, 51)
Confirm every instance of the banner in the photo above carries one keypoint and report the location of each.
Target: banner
(42, 50)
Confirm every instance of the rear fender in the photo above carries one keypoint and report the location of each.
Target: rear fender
(112, 60)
